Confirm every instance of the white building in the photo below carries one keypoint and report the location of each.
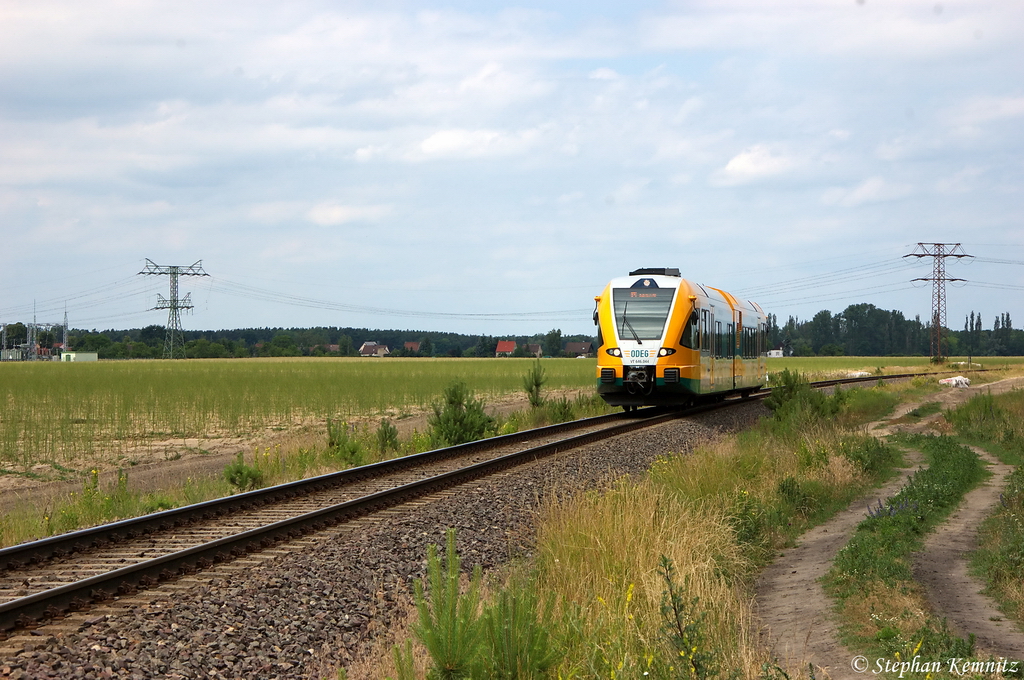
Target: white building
(79, 356)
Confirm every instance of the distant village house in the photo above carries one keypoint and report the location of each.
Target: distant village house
(372, 349)
(579, 349)
(505, 348)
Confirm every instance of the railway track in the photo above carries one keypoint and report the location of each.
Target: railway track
(49, 578)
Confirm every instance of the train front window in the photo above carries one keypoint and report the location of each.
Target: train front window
(691, 338)
(640, 314)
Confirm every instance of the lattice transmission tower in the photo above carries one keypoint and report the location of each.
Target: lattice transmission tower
(174, 343)
(939, 252)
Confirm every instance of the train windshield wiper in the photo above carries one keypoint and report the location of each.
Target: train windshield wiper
(625, 322)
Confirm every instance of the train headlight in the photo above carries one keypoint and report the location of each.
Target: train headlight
(614, 351)
(665, 351)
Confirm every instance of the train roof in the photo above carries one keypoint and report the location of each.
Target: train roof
(667, 277)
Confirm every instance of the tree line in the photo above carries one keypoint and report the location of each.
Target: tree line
(866, 330)
(148, 342)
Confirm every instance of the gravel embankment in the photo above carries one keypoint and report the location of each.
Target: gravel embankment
(306, 612)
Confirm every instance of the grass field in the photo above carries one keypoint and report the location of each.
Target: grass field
(59, 412)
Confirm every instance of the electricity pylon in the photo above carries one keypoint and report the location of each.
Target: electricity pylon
(939, 252)
(174, 343)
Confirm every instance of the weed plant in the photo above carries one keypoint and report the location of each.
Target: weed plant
(387, 437)
(532, 382)
(508, 639)
(459, 417)
(872, 572)
(344, 449)
(449, 623)
(242, 476)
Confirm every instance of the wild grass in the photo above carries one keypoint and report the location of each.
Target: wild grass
(995, 422)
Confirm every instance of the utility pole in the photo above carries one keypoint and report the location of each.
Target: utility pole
(938, 252)
(174, 344)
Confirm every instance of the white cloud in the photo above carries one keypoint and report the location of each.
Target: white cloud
(604, 74)
(870, 30)
(968, 117)
(329, 214)
(631, 191)
(755, 163)
(475, 143)
(871, 190)
(962, 182)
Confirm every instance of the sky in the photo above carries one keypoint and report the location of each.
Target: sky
(487, 168)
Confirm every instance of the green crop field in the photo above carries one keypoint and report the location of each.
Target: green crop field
(58, 412)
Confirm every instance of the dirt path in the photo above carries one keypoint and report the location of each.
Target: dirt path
(796, 613)
(942, 569)
(791, 603)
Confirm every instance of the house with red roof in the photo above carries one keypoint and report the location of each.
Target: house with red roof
(505, 348)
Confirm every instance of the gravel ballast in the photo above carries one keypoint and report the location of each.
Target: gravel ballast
(326, 606)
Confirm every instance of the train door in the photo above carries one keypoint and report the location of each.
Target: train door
(705, 350)
(737, 350)
(713, 331)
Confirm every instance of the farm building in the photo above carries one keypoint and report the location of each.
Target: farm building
(412, 346)
(534, 349)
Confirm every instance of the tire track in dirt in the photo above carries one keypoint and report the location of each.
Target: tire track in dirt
(793, 608)
(941, 568)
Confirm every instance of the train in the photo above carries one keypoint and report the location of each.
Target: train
(666, 341)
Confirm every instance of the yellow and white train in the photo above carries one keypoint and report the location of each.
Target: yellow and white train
(667, 341)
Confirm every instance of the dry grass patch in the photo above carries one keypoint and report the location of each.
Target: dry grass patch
(600, 554)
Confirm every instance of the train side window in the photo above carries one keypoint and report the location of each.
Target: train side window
(705, 342)
(718, 339)
(730, 337)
